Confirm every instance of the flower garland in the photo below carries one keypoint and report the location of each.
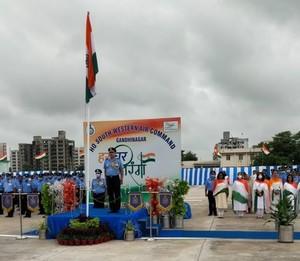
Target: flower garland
(154, 185)
(57, 190)
(46, 199)
(70, 199)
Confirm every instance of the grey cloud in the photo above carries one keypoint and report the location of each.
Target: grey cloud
(220, 65)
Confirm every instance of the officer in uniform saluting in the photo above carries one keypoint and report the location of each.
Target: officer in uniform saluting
(114, 172)
(98, 189)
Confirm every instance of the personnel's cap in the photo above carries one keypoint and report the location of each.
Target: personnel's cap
(98, 171)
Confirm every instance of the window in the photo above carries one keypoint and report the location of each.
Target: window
(227, 157)
(240, 156)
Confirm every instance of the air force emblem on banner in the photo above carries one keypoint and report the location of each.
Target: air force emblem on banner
(7, 202)
(33, 202)
(135, 201)
(165, 201)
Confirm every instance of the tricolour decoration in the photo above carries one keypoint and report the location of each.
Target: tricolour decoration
(40, 155)
(154, 185)
(165, 201)
(135, 201)
(7, 202)
(217, 154)
(3, 157)
(70, 199)
(265, 149)
(33, 202)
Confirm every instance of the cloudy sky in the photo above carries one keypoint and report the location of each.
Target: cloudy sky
(219, 64)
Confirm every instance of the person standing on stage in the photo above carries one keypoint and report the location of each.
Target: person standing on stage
(114, 172)
(98, 189)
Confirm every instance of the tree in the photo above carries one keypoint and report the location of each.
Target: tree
(189, 156)
(285, 150)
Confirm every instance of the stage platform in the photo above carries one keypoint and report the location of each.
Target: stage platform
(116, 221)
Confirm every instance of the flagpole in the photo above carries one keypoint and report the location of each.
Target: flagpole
(87, 157)
(92, 70)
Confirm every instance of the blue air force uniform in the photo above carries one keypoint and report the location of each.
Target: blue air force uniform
(98, 189)
(113, 169)
(9, 188)
(26, 188)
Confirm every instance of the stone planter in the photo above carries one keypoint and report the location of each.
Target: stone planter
(286, 234)
(129, 235)
(165, 221)
(178, 221)
(155, 220)
(42, 234)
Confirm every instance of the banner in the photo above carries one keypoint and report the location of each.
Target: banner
(165, 201)
(33, 202)
(146, 147)
(7, 202)
(135, 201)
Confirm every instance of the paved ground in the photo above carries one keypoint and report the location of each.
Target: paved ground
(192, 249)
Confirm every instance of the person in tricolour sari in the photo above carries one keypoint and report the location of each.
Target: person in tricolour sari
(290, 189)
(260, 195)
(240, 195)
(221, 191)
(276, 189)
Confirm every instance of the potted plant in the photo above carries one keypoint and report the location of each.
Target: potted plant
(42, 230)
(129, 231)
(180, 188)
(284, 214)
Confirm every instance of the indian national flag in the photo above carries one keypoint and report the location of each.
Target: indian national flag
(91, 62)
(216, 152)
(40, 155)
(148, 157)
(3, 157)
(265, 149)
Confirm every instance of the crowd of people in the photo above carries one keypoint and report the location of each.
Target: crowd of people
(28, 183)
(32, 182)
(257, 193)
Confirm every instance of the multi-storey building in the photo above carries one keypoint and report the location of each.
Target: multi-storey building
(78, 158)
(25, 153)
(14, 160)
(53, 154)
(41, 153)
(62, 152)
(235, 151)
(232, 142)
(3, 150)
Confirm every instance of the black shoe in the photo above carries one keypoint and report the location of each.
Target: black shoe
(8, 216)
